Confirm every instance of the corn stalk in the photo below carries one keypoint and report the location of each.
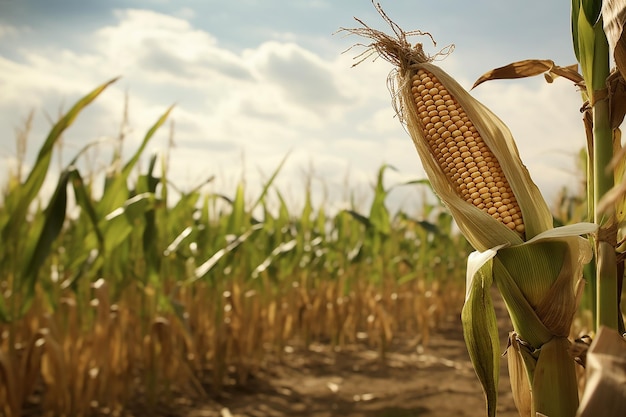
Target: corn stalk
(592, 51)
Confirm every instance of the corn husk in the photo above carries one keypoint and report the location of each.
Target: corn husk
(537, 320)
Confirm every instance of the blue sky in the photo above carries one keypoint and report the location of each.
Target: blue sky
(254, 80)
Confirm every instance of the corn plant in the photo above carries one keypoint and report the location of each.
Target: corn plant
(472, 162)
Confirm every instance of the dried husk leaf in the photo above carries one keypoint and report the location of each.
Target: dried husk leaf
(9, 387)
(606, 376)
(531, 68)
(617, 98)
(518, 376)
(614, 18)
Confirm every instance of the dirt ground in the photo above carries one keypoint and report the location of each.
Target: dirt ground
(437, 380)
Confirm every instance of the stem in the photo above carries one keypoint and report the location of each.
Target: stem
(606, 267)
(606, 282)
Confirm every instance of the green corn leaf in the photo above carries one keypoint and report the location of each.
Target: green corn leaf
(116, 190)
(84, 201)
(320, 221)
(23, 196)
(119, 224)
(283, 210)
(307, 211)
(210, 263)
(555, 389)
(54, 216)
(184, 237)
(269, 182)
(379, 215)
(574, 26)
(480, 329)
(360, 218)
(591, 9)
(593, 47)
(237, 217)
(150, 231)
(284, 247)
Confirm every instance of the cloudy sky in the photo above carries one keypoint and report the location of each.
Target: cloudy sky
(255, 80)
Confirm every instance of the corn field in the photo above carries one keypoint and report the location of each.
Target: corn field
(111, 297)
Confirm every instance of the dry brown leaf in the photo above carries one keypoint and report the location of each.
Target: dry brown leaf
(606, 376)
(9, 387)
(617, 98)
(518, 377)
(614, 17)
(531, 68)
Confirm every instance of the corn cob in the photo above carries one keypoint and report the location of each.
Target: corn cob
(464, 157)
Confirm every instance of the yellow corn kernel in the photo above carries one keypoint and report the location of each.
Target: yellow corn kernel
(464, 157)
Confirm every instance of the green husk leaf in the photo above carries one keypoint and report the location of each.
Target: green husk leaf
(524, 318)
(480, 327)
(531, 277)
(555, 389)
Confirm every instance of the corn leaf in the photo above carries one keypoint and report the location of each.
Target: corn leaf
(530, 68)
(116, 190)
(54, 216)
(379, 215)
(555, 389)
(606, 376)
(480, 327)
(592, 45)
(26, 193)
(210, 263)
(118, 225)
(574, 27)
(269, 183)
(237, 217)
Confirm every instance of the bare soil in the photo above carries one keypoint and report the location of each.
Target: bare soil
(435, 380)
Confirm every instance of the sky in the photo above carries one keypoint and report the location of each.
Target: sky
(257, 81)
